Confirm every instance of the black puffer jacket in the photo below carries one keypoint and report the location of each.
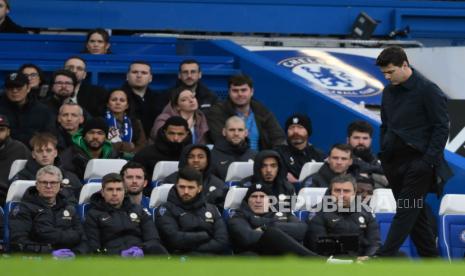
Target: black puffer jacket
(111, 230)
(37, 227)
(224, 153)
(194, 227)
(213, 188)
(243, 223)
(294, 159)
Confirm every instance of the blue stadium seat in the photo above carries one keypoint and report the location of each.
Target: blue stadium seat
(307, 200)
(14, 196)
(308, 169)
(238, 171)
(233, 200)
(16, 167)
(97, 168)
(162, 170)
(86, 192)
(452, 226)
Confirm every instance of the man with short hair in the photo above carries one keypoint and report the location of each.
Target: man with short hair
(45, 221)
(359, 136)
(198, 157)
(414, 131)
(263, 128)
(343, 218)
(339, 163)
(25, 113)
(135, 180)
(269, 170)
(115, 225)
(188, 224)
(44, 153)
(255, 228)
(62, 86)
(90, 97)
(189, 75)
(171, 139)
(10, 150)
(6, 24)
(69, 120)
(298, 150)
(148, 104)
(92, 144)
(232, 147)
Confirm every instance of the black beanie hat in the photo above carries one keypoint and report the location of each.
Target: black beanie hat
(258, 187)
(176, 121)
(95, 123)
(300, 119)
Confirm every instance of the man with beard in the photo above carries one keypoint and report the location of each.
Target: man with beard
(135, 180)
(92, 144)
(189, 75)
(255, 228)
(298, 150)
(339, 163)
(10, 150)
(69, 120)
(62, 87)
(359, 135)
(89, 97)
(44, 153)
(263, 127)
(188, 224)
(232, 147)
(170, 141)
(198, 157)
(115, 225)
(269, 170)
(147, 104)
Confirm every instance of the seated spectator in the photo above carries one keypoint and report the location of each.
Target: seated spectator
(298, 150)
(269, 170)
(255, 228)
(89, 97)
(97, 42)
(187, 224)
(69, 120)
(189, 76)
(264, 130)
(6, 24)
(44, 221)
(114, 225)
(170, 141)
(44, 153)
(345, 219)
(198, 157)
(10, 150)
(183, 103)
(232, 147)
(148, 104)
(365, 188)
(91, 144)
(339, 163)
(25, 114)
(359, 136)
(135, 180)
(37, 82)
(125, 131)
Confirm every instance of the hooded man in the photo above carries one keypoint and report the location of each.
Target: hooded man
(198, 157)
(187, 223)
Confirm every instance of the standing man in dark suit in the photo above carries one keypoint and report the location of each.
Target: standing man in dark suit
(414, 131)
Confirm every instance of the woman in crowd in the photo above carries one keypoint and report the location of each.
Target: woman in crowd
(125, 131)
(97, 42)
(37, 82)
(183, 103)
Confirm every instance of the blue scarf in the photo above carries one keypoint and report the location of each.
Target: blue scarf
(118, 132)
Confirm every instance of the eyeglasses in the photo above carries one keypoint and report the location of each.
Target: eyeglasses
(61, 83)
(47, 183)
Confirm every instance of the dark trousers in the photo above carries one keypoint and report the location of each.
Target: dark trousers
(410, 179)
(275, 242)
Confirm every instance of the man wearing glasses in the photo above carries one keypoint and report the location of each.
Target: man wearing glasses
(44, 221)
(25, 114)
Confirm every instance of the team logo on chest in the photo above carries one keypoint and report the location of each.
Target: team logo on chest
(134, 217)
(66, 215)
(208, 216)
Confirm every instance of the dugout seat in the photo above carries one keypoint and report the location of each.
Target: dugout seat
(97, 168)
(16, 167)
(238, 171)
(84, 197)
(452, 226)
(162, 170)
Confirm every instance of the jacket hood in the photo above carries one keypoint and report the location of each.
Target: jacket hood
(170, 148)
(185, 153)
(260, 157)
(196, 203)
